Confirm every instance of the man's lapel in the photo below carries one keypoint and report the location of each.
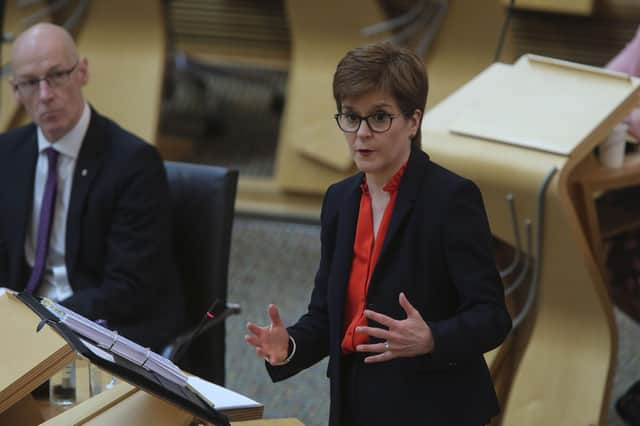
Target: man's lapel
(89, 163)
(23, 173)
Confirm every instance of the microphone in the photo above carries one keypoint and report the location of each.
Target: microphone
(217, 313)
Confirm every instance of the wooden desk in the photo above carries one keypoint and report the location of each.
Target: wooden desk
(124, 42)
(126, 404)
(312, 153)
(270, 422)
(48, 410)
(576, 7)
(509, 129)
(602, 223)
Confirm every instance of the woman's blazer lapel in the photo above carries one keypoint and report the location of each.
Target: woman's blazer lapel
(346, 228)
(343, 253)
(407, 195)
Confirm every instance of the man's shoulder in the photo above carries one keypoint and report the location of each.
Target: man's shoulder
(113, 130)
(12, 138)
(121, 141)
(14, 146)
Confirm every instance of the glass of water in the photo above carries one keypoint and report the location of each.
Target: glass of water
(62, 386)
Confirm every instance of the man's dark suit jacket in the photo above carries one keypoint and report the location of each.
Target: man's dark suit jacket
(118, 244)
(438, 252)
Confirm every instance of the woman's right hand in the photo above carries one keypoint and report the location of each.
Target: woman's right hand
(272, 342)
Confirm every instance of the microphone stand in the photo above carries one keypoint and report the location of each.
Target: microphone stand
(215, 315)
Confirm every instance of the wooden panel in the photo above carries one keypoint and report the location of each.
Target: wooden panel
(122, 405)
(544, 121)
(25, 412)
(580, 7)
(236, 31)
(269, 422)
(592, 40)
(604, 178)
(601, 221)
(568, 352)
(321, 32)
(568, 321)
(126, 404)
(92, 407)
(29, 358)
(14, 17)
(124, 42)
(463, 48)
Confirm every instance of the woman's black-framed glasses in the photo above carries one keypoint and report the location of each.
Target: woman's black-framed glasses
(378, 122)
(54, 79)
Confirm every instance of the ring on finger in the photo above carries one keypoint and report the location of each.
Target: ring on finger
(386, 346)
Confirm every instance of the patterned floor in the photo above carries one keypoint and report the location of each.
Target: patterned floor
(274, 262)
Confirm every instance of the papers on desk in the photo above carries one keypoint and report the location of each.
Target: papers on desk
(105, 343)
(219, 397)
(97, 351)
(511, 104)
(116, 344)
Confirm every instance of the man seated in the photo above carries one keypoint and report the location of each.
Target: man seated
(84, 204)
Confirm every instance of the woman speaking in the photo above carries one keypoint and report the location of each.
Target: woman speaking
(407, 297)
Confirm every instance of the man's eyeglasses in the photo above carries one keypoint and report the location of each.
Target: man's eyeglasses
(53, 79)
(378, 122)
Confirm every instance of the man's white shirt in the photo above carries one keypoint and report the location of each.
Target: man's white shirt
(55, 282)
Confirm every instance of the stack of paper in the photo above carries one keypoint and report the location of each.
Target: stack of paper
(116, 344)
(35, 353)
(238, 407)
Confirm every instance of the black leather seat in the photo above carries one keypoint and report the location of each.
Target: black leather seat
(202, 200)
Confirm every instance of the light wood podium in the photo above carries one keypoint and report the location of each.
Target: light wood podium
(529, 130)
(576, 7)
(312, 153)
(126, 404)
(33, 352)
(125, 77)
(28, 358)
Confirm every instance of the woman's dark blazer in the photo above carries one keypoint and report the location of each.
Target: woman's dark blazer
(438, 252)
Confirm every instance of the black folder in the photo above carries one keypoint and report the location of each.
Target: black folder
(128, 371)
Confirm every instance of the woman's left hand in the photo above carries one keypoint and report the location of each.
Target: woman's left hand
(402, 338)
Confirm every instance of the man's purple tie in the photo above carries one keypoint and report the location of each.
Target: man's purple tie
(46, 217)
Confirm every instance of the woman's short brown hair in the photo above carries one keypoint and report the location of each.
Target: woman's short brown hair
(387, 68)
